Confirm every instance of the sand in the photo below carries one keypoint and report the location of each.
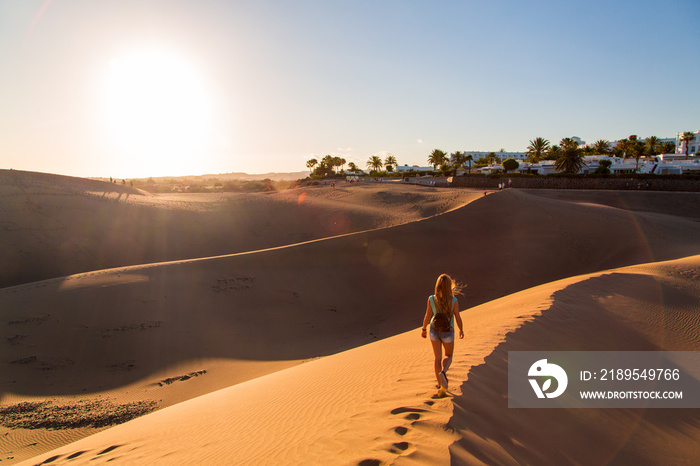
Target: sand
(309, 351)
(54, 226)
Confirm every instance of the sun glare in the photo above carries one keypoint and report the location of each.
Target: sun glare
(157, 111)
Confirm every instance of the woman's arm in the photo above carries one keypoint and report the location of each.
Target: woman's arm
(458, 318)
(426, 320)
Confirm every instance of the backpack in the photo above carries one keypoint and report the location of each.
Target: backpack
(441, 321)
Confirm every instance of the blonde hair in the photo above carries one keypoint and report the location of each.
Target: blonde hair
(445, 289)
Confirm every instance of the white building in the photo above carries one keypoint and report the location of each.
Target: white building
(476, 155)
(619, 165)
(658, 165)
(694, 144)
(519, 156)
(543, 167)
(416, 168)
(677, 166)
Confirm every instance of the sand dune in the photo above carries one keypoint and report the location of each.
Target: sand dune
(257, 322)
(670, 203)
(618, 310)
(55, 225)
(373, 404)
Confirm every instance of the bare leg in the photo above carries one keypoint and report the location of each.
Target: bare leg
(449, 349)
(437, 350)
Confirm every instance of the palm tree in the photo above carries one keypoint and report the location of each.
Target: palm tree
(537, 149)
(327, 164)
(687, 137)
(623, 146)
(601, 146)
(390, 161)
(457, 159)
(437, 158)
(652, 144)
(570, 160)
(568, 142)
(554, 152)
(375, 163)
(353, 167)
(469, 158)
(635, 148)
(311, 164)
(668, 147)
(587, 150)
(336, 162)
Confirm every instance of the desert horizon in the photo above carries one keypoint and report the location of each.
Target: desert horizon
(284, 327)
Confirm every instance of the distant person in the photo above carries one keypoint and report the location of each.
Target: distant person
(441, 312)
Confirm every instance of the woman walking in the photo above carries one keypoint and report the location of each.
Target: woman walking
(441, 313)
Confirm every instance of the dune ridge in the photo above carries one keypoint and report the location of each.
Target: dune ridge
(616, 310)
(55, 225)
(374, 403)
(246, 319)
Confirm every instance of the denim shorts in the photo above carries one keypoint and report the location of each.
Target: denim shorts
(445, 337)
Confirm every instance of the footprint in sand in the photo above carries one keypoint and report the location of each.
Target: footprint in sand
(403, 409)
(403, 446)
(413, 413)
(400, 447)
(369, 462)
(50, 460)
(108, 449)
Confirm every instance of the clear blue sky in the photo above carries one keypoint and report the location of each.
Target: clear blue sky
(166, 87)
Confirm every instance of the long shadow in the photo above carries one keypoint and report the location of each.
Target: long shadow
(495, 434)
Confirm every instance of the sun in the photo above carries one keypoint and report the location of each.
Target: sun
(157, 111)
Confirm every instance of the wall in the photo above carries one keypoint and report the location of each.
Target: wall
(652, 182)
